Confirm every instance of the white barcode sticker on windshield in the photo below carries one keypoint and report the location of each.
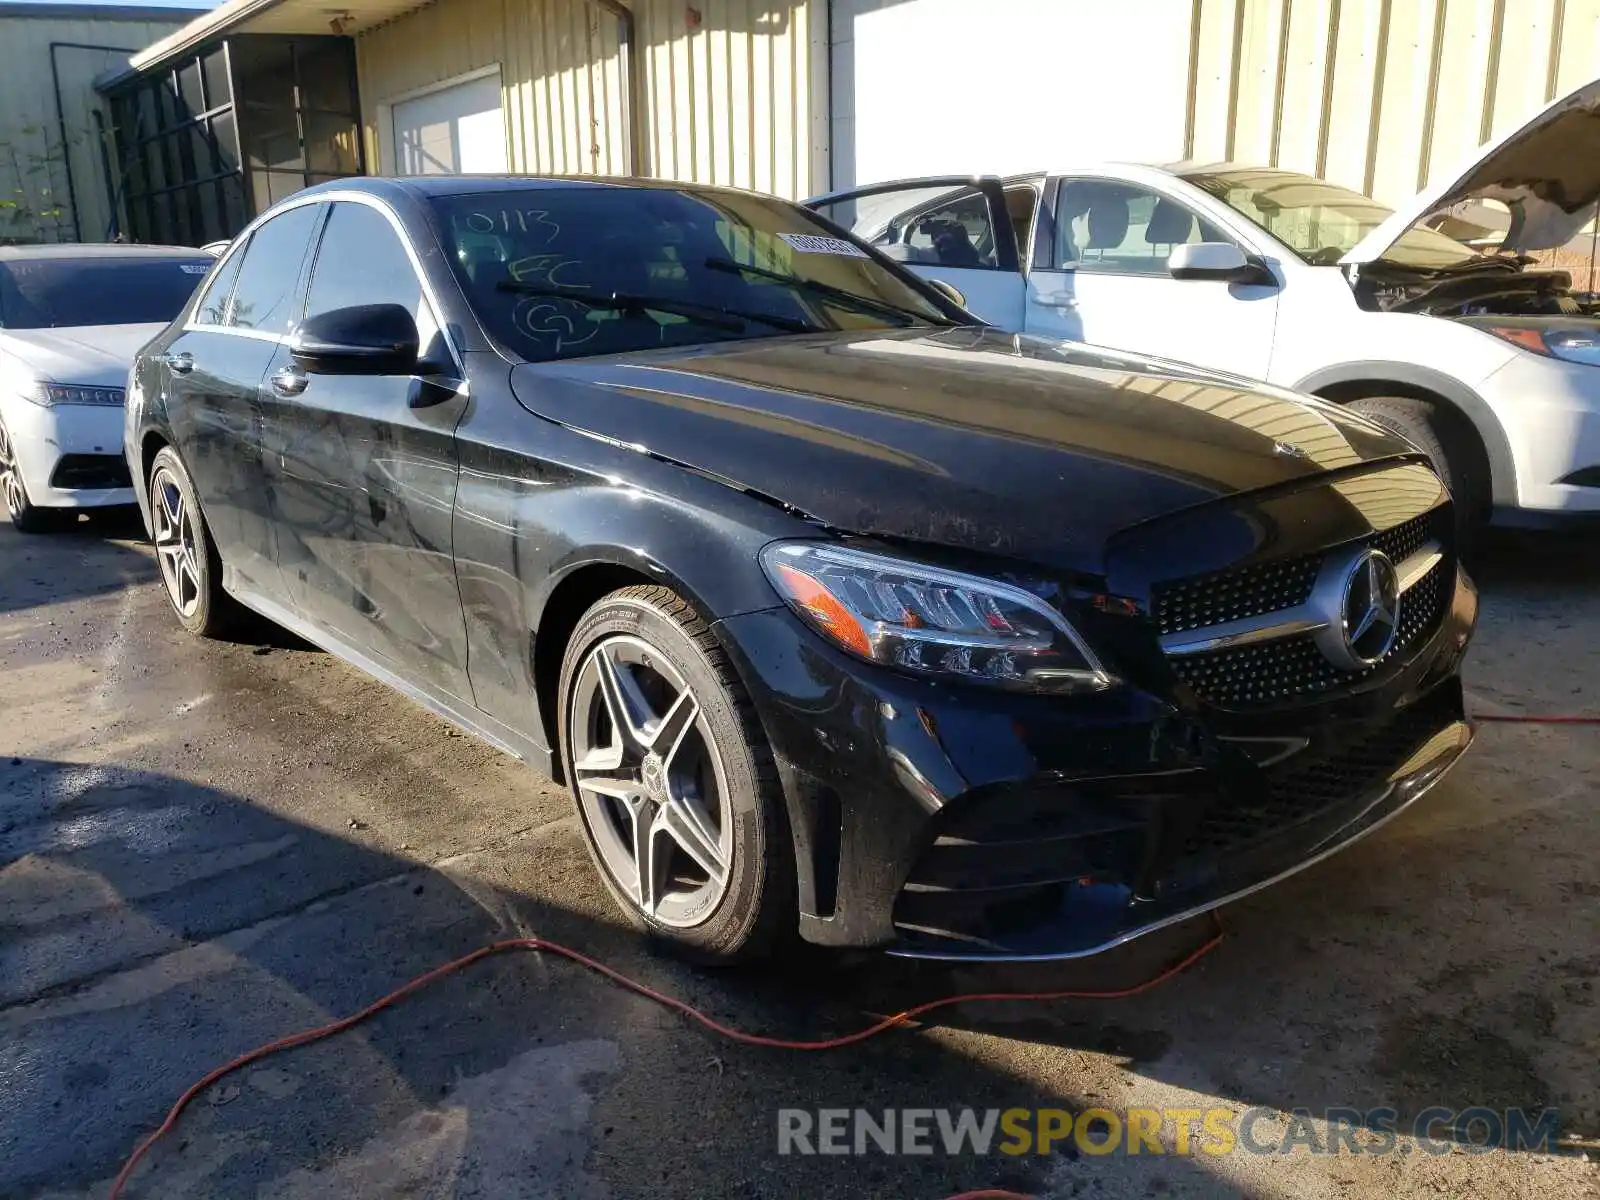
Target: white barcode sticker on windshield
(810, 243)
(193, 268)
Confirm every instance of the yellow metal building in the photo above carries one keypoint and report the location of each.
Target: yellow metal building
(795, 96)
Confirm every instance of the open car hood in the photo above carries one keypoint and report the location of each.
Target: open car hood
(1547, 173)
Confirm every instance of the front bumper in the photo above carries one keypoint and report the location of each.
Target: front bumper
(949, 822)
(1550, 410)
(70, 455)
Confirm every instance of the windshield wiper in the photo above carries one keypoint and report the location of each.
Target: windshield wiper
(733, 320)
(836, 294)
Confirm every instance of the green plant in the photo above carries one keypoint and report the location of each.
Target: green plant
(31, 161)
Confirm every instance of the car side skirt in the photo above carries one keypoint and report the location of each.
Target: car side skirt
(471, 720)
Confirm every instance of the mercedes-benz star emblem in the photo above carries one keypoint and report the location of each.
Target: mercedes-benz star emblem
(1288, 450)
(1370, 613)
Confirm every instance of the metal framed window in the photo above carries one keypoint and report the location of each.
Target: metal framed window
(207, 142)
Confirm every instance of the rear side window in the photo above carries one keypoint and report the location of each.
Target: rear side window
(263, 294)
(213, 306)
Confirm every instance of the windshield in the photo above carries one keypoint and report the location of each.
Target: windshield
(567, 272)
(1321, 222)
(65, 292)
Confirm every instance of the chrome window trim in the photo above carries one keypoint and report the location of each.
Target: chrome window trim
(429, 294)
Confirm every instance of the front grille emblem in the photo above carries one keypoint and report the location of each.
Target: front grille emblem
(1365, 597)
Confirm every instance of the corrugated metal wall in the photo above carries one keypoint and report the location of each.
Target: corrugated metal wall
(728, 84)
(731, 85)
(560, 71)
(1377, 94)
(33, 161)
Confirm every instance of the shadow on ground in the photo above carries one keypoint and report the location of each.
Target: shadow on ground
(152, 927)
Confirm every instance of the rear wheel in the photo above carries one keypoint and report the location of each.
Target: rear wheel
(25, 515)
(673, 779)
(1450, 450)
(190, 566)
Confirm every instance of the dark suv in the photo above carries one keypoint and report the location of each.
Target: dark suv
(839, 611)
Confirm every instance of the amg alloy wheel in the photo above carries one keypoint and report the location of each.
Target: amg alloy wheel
(177, 546)
(190, 567)
(672, 778)
(651, 781)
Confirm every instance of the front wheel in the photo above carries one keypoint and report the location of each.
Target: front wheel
(27, 516)
(1450, 450)
(673, 779)
(190, 566)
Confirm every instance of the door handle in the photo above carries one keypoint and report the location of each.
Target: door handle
(290, 381)
(179, 364)
(1058, 300)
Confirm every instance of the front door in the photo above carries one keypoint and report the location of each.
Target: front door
(1104, 280)
(214, 369)
(366, 471)
(955, 229)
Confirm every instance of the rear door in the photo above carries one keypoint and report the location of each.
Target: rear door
(213, 371)
(366, 470)
(955, 229)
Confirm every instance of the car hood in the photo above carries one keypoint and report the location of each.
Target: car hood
(969, 438)
(1547, 173)
(97, 355)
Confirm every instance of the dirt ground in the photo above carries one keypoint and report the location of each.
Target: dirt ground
(206, 846)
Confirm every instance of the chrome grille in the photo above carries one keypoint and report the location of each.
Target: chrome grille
(1406, 539)
(1292, 668)
(1235, 595)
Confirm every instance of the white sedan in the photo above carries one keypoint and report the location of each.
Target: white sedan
(71, 319)
(1480, 358)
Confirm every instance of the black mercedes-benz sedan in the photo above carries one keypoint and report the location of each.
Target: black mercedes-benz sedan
(838, 611)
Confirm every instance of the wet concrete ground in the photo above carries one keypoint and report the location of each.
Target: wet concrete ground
(206, 846)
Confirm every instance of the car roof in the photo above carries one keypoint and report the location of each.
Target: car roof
(468, 185)
(1185, 167)
(79, 251)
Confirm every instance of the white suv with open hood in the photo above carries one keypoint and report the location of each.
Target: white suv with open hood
(1465, 344)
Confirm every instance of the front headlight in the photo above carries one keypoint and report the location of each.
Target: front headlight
(932, 622)
(1577, 342)
(51, 394)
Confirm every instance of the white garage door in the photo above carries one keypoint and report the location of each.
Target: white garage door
(927, 87)
(453, 130)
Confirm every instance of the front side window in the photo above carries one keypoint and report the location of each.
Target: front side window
(263, 294)
(362, 261)
(53, 293)
(1320, 222)
(1123, 229)
(563, 272)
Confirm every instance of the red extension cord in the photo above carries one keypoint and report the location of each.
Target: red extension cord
(1520, 719)
(749, 1039)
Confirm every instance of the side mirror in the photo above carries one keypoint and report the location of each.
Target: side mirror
(1218, 261)
(949, 293)
(367, 339)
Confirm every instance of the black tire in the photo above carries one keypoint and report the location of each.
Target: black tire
(200, 604)
(757, 909)
(27, 516)
(1451, 453)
